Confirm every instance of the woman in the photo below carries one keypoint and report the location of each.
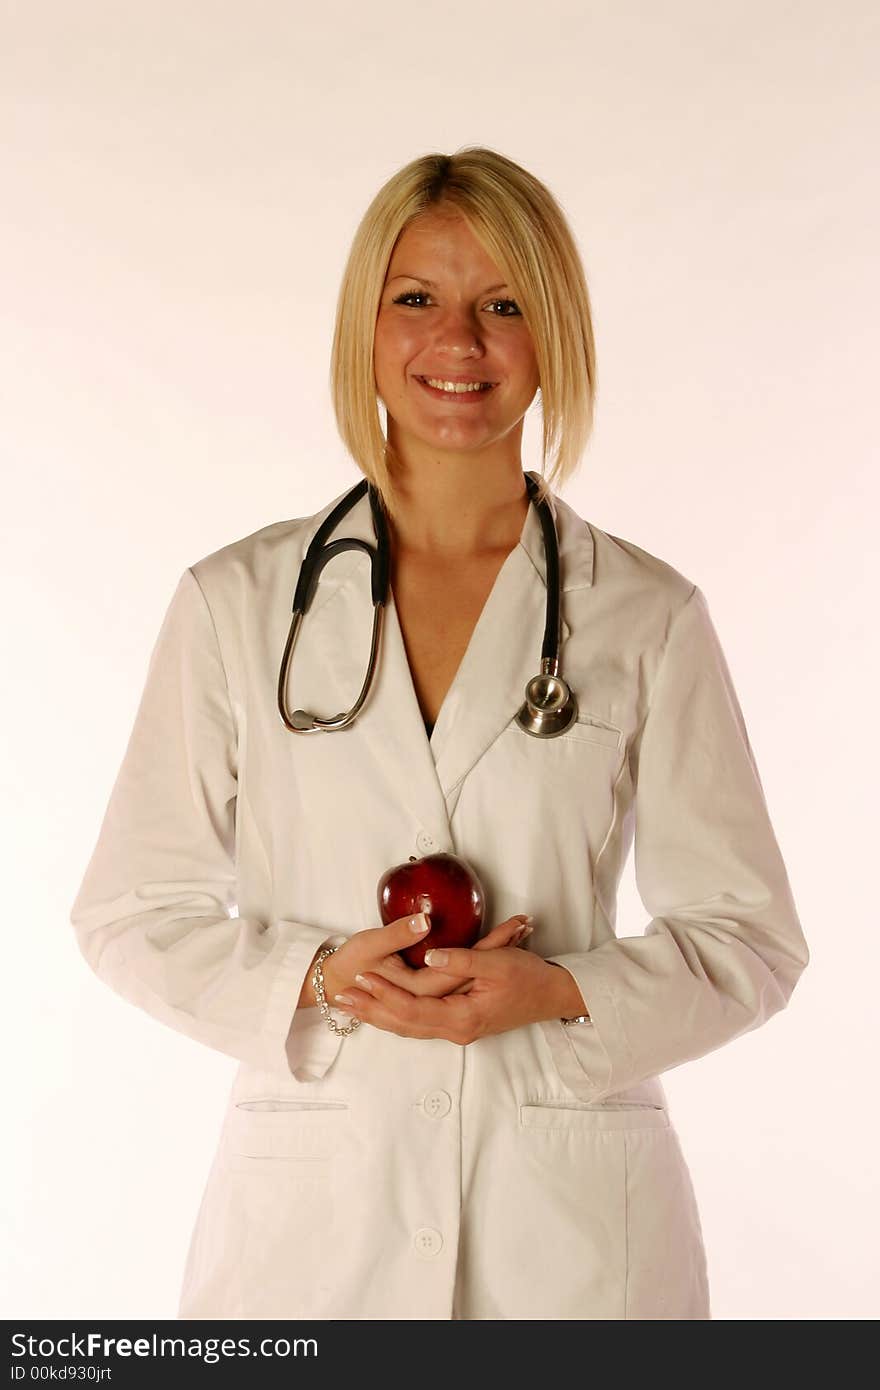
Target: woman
(485, 1136)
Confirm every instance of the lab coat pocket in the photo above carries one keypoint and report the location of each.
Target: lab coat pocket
(667, 1273)
(546, 799)
(270, 1247)
(587, 728)
(267, 1131)
(622, 1208)
(590, 1119)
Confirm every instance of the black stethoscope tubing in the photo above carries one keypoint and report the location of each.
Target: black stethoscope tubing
(549, 707)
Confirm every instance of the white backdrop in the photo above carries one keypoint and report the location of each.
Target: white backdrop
(181, 185)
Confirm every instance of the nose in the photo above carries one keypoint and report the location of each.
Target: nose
(458, 331)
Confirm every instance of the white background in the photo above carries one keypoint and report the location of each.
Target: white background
(181, 186)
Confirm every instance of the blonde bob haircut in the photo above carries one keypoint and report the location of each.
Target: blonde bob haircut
(522, 227)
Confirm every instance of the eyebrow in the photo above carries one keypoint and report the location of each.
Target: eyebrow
(432, 286)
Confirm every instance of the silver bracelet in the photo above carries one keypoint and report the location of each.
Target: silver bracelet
(318, 987)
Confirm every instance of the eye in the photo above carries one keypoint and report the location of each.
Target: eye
(409, 294)
(420, 294)
(511, 302)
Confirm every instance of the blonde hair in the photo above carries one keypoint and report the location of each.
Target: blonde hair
(522, 227)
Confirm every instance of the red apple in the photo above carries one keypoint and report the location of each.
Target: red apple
(443, 885)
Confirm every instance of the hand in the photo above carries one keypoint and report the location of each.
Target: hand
(364, 950)
(375, 948)
(510, 988)
(433, 982)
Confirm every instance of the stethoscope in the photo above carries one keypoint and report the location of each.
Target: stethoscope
(549, 707)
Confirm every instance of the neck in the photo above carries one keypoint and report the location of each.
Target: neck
(457, 512)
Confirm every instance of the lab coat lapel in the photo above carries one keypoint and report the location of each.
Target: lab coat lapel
(336, 632)
(503, 654)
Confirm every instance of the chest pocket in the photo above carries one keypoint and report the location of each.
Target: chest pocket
(590, 747)
(585, 729)
(548, 801)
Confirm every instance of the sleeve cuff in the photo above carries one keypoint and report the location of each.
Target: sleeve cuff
(299, 1039)
(586, 1055)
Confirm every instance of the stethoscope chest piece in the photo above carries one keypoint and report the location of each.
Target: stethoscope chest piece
(549, 707)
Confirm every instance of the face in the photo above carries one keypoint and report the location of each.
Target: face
(464, 326)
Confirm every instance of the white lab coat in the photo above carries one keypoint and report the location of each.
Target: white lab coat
(533, 1174)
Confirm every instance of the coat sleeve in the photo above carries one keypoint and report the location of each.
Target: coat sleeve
(152, 917)
(724, 948)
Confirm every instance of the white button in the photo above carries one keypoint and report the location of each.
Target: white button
(425, 843)
(437, 1103)
(427, 1241)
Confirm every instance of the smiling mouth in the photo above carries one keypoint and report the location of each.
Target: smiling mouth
(456, 391)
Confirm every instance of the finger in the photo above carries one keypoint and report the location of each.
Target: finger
(418, 981)
(463, 961)
(463, 987)
(393, 976)
(404, 976)
(518, 937)
(393, 967)
(375, 1000)
(503, 932)
(402, 932)
(508, 933)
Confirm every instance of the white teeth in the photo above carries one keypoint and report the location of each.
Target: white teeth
(457, 386)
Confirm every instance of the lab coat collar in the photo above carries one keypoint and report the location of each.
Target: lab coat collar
(489, 687)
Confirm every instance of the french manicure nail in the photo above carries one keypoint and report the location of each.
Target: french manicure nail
(420, 922)
(364, 982)
(344, 999)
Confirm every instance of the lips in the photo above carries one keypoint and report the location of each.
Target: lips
(459, 397)
(457, 378)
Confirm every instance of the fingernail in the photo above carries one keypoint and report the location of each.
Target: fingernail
(525, 918)
(344, 999)
(421, 922)
(436, 957)
(364, 982)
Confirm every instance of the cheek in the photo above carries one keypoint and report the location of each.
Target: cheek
(395, 345)
(528, 366)
(518, 361)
